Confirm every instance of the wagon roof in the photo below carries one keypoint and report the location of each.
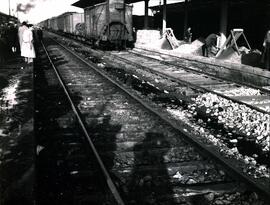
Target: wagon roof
(67, 13)
(87, 3)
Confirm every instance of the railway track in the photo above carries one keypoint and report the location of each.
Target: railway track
(245, 134)
(213, 107)
(210, 69)
(149, 158)
(64, 162)
(258, 99)
(242, 129)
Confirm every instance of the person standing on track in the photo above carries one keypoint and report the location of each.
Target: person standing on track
(27, 47)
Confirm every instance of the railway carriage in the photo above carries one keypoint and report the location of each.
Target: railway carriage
(53, 25)
(44, 24)
(110, 21)
(106, 23)
(72, 23)
(60, 22)
(68, 22)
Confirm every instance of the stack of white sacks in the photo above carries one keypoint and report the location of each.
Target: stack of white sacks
(147, 37)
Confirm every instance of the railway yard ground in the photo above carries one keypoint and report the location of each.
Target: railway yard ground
(132, 127)
(16, 132)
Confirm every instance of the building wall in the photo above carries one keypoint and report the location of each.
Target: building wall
(253, 18)
(204, 18)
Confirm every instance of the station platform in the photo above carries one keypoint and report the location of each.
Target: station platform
(254, 75)
(16, 132)
(230, 62)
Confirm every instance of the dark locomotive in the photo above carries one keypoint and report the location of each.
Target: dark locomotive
(105, 24)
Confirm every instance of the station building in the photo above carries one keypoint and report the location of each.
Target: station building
(214, 16)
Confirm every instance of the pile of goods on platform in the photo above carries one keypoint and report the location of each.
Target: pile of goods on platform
(244, 56)
(194, 48)
(148, 37)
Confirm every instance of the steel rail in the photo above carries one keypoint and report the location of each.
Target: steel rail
(199, 71)
(191, 84)
(190, 69)
(109, 181)
(208, 150)
(205, 63)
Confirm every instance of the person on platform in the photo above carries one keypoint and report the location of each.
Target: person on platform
(134, 34)
(40, 34)
(3, 46)
(27, 47)
(188, 35)
(266, 52)
(13, 37)
(21, 30)
(210, 41)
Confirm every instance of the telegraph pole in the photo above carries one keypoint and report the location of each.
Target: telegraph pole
(8, 7)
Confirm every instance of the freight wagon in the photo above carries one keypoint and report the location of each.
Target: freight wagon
(72, 22)
(110, 21)
(44, 24)
(67, 22)
(53, 25)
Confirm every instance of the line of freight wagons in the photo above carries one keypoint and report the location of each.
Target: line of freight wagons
(110, 21)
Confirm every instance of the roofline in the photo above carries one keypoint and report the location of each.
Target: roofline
(88, 7)
(89, 3)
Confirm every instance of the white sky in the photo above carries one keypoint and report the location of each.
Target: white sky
(44, 9)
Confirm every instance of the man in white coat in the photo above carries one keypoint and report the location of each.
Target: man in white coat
(27, 46)
(22, 28)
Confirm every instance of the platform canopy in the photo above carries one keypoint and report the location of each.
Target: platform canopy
(133, 1)
(205, 1)
(87, 3)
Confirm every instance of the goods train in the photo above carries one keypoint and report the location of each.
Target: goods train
(108, 23)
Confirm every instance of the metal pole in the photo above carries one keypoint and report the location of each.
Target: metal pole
(17, 12)
(8, 7)
(164, 20)
(185, 17)
(146, 14)
(223, 21)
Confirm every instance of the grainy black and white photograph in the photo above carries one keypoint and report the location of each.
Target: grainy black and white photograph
(135, 102)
